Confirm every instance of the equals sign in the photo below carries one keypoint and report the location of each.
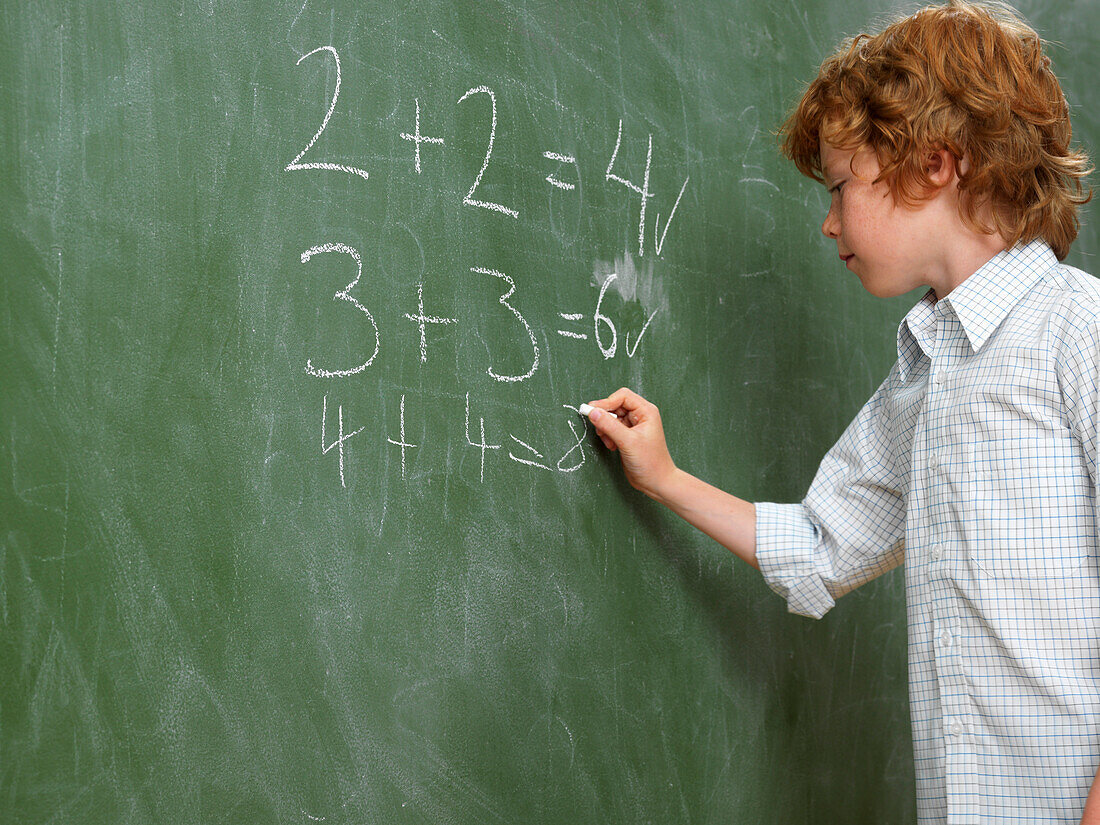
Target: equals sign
(572, 316)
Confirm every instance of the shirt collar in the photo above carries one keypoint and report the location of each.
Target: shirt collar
(981, 302)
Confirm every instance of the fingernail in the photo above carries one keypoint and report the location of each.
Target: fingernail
(594, 414)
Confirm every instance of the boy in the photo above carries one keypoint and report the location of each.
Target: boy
(944, 143)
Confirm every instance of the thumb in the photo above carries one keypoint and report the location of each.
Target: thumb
(609, 427)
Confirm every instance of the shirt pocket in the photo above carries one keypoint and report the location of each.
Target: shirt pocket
(1031, 507)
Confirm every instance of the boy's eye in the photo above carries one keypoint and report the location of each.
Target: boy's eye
(835, 188)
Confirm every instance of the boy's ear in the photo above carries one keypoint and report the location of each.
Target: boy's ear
(941, 167)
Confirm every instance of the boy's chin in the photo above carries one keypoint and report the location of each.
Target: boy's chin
(884, 287)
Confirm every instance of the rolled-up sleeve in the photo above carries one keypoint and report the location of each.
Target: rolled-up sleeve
(850, 528)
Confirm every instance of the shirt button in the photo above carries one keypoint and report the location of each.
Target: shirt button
(945, 639)
(939, 379)
(956, 728)
(937, 552)
(933, 461)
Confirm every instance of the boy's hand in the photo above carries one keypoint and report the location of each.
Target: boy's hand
(638, 436)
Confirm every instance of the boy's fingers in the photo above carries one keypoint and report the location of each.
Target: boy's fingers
(622, 399)
(628, 407)
(608, 427)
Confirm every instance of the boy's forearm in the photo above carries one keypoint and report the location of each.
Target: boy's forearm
(728, 520)
(1092, 804)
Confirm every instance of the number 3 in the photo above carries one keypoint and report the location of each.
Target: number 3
(344, 295)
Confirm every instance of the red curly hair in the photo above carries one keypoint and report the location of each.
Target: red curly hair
(967, 77)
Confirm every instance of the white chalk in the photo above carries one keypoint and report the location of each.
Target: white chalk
(585, 409)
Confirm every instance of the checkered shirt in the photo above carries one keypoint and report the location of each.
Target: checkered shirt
(975, 463)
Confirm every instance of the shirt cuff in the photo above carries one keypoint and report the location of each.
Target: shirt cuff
(786, 545)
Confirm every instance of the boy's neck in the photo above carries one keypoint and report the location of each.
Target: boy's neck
(963, 258)
(961, 250)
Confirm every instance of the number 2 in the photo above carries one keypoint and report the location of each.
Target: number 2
(469, 199)
(294, 165)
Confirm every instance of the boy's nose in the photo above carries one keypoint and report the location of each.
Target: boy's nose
(831, 226)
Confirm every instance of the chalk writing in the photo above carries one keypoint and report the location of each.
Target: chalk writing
(658, 245)
(600, 322)
(642, 190)
(422, 320)
(482, 445)
(469, 200)
(344, 295)
(562, 159)
(294, 165)
(530, 334)
(402, 443)
(526, 461)
(418, 138)
(608, 350)
(341, 438)
(572, 316)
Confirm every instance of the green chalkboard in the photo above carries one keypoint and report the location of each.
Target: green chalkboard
(296, 522)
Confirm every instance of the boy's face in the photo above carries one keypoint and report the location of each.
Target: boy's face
(892, 248)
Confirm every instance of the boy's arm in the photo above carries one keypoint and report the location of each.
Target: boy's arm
(1092, 804)
(728, 520)
(848, 530)
(638, 435)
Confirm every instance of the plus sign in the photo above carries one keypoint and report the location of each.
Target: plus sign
(421, 320)
(418, 138)
(403, 444)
